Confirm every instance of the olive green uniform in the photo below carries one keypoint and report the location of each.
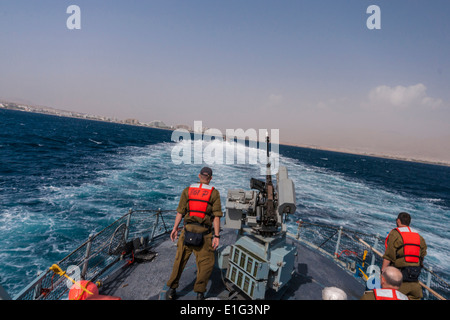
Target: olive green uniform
(368, 295)
(394, 253)
(204, 254)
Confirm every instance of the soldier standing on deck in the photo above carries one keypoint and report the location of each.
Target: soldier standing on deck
(201, 208)
(406, 250)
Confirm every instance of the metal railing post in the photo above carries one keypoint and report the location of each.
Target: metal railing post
(298, 229)
(37, 287)
(428, 281)
(373, 253)
(336, 251)
(127, 230)
(156, 224)
(86, 257)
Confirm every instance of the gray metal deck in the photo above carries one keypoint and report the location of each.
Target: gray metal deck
(147, 280)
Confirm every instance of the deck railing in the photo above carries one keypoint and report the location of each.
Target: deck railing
(100, 254)
(356, 252)
(104, 252)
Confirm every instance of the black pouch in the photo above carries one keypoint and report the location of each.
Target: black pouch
(411, 274)
(192, 238)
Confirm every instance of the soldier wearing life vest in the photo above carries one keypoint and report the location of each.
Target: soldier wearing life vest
(201, 209)
(391, 279)
(406, 250)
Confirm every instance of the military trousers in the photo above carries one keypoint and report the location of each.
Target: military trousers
(412, 289)
(204, 257)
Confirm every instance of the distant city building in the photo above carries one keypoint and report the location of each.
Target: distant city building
(158, 124)
(132, 121)
(72, 114)
(183, 126)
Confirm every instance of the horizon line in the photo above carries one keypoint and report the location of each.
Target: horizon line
(172, 128)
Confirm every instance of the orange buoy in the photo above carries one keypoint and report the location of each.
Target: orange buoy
(87, 290)
(78, 290)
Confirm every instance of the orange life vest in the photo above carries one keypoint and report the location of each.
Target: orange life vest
(199, 196)
(411, 244)
(77, 293)
(389, 294)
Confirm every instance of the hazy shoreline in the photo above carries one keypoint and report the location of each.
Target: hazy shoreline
(373, 155)
(58, 113)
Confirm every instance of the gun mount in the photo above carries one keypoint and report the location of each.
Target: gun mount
(260, 260)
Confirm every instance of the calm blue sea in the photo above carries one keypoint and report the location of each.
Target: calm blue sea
(62, 179)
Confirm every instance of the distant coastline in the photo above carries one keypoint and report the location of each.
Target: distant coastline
(373, 155)
(79, 115)
(158, 124)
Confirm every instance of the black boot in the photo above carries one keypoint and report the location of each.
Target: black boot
(200, 296)
(171, 294)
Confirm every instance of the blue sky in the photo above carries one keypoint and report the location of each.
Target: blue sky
(309, 68)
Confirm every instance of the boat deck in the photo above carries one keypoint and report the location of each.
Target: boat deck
(147, 280)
